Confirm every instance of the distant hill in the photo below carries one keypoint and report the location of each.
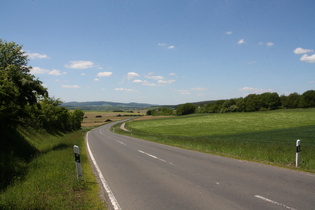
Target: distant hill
(106, 106)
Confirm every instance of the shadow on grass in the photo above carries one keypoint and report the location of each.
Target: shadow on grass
(15, 153)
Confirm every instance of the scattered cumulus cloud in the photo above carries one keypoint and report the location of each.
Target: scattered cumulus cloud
(56, 72)
(161, 44)
(166, 81)
(166, 45)
(183, 92)
(38, 70)
(269, 44)
(242, 41)
(300, 50)
(229, 32)
(199, 89)
(125, 90)
(80, 64)
(132, 75)
(308, 58)
(36, 55)
(154, 77)
(172, 74)
(137, 81)
(70, 86)
(105, 74)
(254, 90)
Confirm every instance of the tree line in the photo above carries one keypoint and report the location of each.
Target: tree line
(251, 103)
(23, 98)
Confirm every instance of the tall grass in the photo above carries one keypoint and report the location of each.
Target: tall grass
(48, 178)
(260, 136)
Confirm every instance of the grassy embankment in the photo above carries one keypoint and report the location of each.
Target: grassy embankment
(38, 169)
(44, 175)
(267, 137)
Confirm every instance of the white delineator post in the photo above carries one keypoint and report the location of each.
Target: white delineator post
(297, 155)
(77, 161)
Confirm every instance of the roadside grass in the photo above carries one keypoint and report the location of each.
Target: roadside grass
(267, 137)
(47, 179)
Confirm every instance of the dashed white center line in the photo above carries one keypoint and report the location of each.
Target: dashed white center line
(152, 156)
(274, 202)
(120, 142)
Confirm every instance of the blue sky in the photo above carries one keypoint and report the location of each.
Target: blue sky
(166, 51)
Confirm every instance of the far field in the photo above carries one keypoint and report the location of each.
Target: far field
(97, 118)
(260, 136)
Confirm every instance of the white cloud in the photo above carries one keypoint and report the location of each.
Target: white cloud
(172, 74)
(300, 50)
(154, 77)
(80, 64)
(161, 44)
(132, 75)
(149, 84)
(137, 81)
(125, 90)
(56, 72)
(36, 55)
(254, 90)
(308, 58)
(269, 44)
(96, 79)
(183, 92)
(105, 74)
(38, 70)
(199, 89)
(165, 45)
(229, 32)
(166, 81)
(70, 86)
(83, 74)
(242, 41)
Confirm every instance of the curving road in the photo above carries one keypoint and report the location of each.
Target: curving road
(138, 175)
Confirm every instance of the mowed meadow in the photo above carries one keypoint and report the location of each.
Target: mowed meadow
(267, 136)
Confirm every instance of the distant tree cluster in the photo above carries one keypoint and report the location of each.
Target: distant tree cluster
(260, 102)
(251, 103)
(23, 98)
(161, 111)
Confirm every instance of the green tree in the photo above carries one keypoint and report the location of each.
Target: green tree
(18, 88)
(308, 99)
(269, 101)
(77, 116)
(184, 109)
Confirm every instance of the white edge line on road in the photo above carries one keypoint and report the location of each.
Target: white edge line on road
(104, 183)
(274, 202)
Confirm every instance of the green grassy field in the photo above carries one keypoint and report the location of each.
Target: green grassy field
(43, 173)
(260, 136)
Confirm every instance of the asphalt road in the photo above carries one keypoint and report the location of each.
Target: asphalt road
(138, 175)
